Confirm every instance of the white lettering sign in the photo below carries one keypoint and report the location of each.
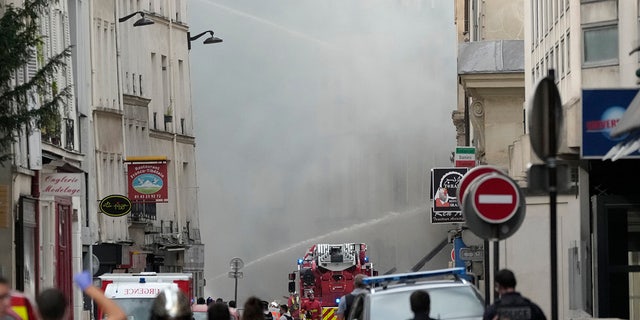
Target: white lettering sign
(61, 184)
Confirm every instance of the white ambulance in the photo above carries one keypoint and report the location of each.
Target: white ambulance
(134, 292)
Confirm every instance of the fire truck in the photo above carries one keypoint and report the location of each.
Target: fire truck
(328, 271)
(135, 292)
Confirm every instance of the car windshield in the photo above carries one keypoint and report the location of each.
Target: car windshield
(446, 303)
(199, 315)
(136, 308)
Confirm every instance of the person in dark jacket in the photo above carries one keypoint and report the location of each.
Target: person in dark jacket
(511, 305)
(420, 305)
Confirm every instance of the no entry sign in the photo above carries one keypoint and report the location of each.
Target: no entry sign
(470, 177)
(495, 198)
(492, 203)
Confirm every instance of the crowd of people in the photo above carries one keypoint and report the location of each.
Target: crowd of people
(173, 304)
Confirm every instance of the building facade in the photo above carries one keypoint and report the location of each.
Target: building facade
(142, 116)
(587, 43)
(42, 188)
(131, 104)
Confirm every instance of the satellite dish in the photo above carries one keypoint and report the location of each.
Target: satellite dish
(95, 264)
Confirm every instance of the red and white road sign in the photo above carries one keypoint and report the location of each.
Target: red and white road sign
(470, 176)
(495, 198)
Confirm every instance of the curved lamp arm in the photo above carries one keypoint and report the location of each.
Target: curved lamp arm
(190, 38)
(198, 35)
(127, 17)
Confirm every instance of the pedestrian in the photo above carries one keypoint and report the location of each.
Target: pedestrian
(344, 307)
(209, 300)
(171, 304)
(201, 300)
(233, 310)
(420, 305)
(85, 282)
(284, 313)
(22, 305)
(218, 311)
(52, 304)
(265, 310)
(294, 305)
(5, 301)
(253, 309)
(311, 308)
(511, 305)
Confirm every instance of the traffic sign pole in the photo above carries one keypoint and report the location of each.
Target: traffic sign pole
(553, 197)
(545, 122)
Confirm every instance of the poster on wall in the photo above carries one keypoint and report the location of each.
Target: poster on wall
(601, 111)
(445, 207)
(147, 182)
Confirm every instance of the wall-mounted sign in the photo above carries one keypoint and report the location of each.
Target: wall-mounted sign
(147, 182)
(601, 111)
(115, 205)
(444, 189)
(61, 184)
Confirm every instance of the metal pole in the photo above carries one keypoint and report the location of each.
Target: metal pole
(487, 276)
(553, 194)
(235, 295)
(496, 265)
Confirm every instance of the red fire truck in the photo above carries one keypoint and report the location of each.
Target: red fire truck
(328, 271)
(134, 292)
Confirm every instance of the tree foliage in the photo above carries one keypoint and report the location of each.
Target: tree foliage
(35, 100)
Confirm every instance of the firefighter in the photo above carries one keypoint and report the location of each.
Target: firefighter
(294, 305)
(274, 308)
(311, 308)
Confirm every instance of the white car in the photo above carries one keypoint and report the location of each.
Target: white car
(388, 297)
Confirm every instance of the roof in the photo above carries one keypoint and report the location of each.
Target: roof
(498, 56)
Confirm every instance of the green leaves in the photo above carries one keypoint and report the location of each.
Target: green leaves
(29, 96)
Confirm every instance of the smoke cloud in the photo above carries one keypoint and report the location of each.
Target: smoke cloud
(318, 122)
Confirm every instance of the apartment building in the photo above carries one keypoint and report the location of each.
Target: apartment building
(130, 111)
(142, 133)
(588, 44)
(42, 187)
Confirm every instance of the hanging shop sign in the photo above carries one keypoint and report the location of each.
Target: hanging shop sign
(147, 182)
(115, 205)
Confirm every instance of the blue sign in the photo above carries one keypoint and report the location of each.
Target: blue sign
(601, 111)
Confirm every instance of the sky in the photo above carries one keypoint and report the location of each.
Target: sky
(318, 122)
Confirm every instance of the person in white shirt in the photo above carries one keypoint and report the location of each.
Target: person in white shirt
(284, 313)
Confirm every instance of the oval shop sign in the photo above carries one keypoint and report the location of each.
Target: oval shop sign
(115, 205)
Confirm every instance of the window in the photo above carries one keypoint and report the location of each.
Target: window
(600, 45)
(534, 29)
(561, 54)
(556, 62)
(568, 52)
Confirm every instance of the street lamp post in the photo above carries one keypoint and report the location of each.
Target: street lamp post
(209, 40)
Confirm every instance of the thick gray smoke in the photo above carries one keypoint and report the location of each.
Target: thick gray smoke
(318, 121)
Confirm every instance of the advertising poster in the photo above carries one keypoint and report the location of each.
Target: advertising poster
(601, 111)
(445, 207)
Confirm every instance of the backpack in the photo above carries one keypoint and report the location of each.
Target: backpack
(348, 302)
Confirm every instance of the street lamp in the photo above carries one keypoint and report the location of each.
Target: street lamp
(141, 22)
(209, 40)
